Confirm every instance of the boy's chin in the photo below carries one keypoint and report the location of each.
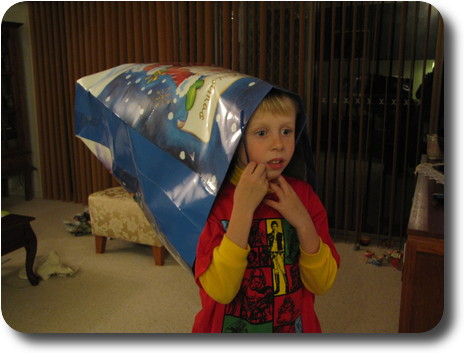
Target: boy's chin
(271, 176)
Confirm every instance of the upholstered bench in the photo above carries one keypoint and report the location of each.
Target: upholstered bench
(115, 214)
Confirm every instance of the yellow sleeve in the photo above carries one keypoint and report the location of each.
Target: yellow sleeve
(318, 271)
(224, 275)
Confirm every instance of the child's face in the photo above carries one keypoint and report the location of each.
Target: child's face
(270, 140)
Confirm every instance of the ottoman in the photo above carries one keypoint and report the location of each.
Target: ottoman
(115, 214)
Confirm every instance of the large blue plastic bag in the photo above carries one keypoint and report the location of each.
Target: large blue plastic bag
(168, 134)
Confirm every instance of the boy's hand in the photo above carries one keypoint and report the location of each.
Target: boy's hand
(289, 204)
(249, 193)
(252, 187)
(292, 209)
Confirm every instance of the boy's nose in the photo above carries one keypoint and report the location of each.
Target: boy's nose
(277, 143)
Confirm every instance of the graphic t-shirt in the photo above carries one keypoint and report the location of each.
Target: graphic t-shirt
(271, 297)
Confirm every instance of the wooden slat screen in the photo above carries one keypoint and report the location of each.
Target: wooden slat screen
(357, 65)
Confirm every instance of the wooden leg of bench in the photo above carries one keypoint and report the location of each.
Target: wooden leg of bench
(100, 244)
(158, 253)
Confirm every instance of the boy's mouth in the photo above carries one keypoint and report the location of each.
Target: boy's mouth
(276, 163)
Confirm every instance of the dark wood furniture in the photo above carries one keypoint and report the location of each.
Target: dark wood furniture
(17, 233)
(16, 153)
(422, 296)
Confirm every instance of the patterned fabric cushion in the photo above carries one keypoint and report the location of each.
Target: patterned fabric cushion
(115, 214)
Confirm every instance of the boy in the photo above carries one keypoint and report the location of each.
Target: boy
(265, 250)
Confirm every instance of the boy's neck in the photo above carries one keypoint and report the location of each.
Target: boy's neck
(235, 174)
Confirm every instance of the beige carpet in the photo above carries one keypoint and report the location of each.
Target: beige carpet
(123, 291)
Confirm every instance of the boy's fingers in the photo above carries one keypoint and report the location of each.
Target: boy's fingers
(260, 169)
(271, 203)
(277, 189)
(283, 184)
(249, 169)
(255, 168)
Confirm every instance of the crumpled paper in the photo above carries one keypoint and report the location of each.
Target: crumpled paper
(53, 267)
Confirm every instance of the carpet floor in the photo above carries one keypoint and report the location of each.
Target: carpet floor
(122, 291)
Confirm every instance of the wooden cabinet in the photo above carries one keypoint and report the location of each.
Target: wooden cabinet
(422, 296)
(16, 153)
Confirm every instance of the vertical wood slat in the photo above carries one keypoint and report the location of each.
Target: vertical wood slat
(111, 42)
(244, 38)
(52, 186)
(184, 31)
(192, 33)
(91, 175)
(226, 35)
(254, 48)
(130, 31)
(73, 50)
(262, 40)
(95, 43)
(393, 187)
(209, 30)
(37, 48)
(200, 33)
(88, 162)
(273, 43)
(338, 167)
(367, 189)
(375, 45)
(41, 107)
(311, 65)
(137, 30)
(409, 118)
(175, 32)
(152, 29)
(383, 152)
(424, 64)
(320, 92)
(161, 31)
(70, 78)
(349, 169)
(361, 177)
(104, 176)
(281, 40)
(291, 54)
(167, 33)
(121, 20)
(328, 162)
(301, 49)
(62, 96)
(437, 80)
(87, 59)
(405, 119)
(235, 36)
(143, 19)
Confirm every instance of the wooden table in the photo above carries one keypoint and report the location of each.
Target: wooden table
(17, 233)
(422, 296)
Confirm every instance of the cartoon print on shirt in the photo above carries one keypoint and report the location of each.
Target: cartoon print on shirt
(275, 240)
(257, 298)
(271, 279)
(287, 316)
(236, 326)
(295, 279)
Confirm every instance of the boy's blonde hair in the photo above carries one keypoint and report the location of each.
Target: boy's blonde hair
(277, 102)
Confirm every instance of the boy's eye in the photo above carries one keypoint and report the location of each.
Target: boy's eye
(260, 133)
(286, 131)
